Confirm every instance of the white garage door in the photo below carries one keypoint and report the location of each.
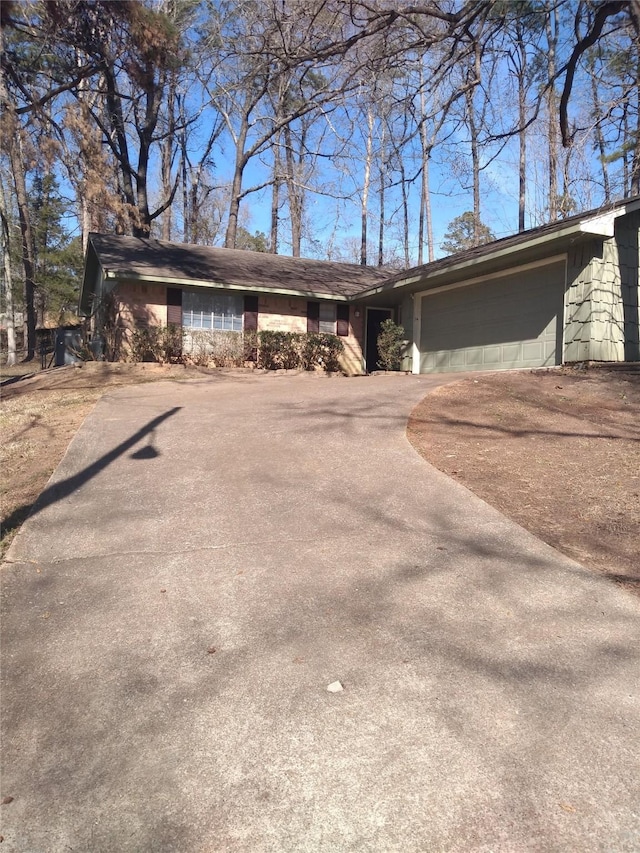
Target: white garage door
(514, 321)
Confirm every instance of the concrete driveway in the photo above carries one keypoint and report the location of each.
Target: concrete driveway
(210, 556)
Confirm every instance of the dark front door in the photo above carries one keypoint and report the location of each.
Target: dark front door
(375, 318)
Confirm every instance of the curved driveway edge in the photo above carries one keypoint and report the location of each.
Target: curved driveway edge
(209, 556)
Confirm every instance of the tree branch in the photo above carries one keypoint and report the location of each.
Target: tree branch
(613, 7)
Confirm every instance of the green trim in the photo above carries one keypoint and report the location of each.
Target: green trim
(425, 276)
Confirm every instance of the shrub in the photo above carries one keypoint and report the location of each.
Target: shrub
(321, 350)
(250, 347)
(290, 350)
(156, 343)
(279, 350)
(390, 343)
(214, 348)
(227, 349)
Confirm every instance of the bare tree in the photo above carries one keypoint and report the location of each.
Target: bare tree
(5, 239)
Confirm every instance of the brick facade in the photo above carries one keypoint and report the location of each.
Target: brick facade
(139, 303)
(289, 314)
(146, 304)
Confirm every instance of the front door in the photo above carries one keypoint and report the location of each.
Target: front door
(375, 318)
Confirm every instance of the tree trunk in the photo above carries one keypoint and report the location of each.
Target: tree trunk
(295, 201)
(429, 217)
(425, 222)
(551, 28)
(236, 187)
(275, 196)
(475, 164)
(423, 151)
(522, 130)
(114, 107)
(626, 171)
(597, 114)
(28, 248)
(635, 165)
(184, 186)
(522, 170)
(405, 214)
(167, 157)
(8, 283)
(382, 218)
(565, 203)
(381, 170)
(365, 188)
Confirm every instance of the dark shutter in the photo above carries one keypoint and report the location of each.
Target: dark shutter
(342, 314)
(313, 317)
(174, 306)
(250, 313)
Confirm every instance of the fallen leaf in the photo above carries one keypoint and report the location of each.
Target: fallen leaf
(163, 590)
(211, 650)
(567, 807)
(7, 800)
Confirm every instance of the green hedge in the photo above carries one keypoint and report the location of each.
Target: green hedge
(390, 345)
(157, 343)
(271, 350)
(291, 350)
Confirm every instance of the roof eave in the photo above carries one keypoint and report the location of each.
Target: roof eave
(192, 282)
(602, 225)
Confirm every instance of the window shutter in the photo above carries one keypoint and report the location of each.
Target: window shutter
(313, 317)
(343, 320)
(250, 313)
(174, 306)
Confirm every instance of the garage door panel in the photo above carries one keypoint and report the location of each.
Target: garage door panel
(493, 355)
(511, 353)
(515, 321)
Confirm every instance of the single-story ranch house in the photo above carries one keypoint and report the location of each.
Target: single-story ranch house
(562, 293)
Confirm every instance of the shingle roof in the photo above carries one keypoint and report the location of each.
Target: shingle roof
(134, 256)
(177, 262)
(480, 253)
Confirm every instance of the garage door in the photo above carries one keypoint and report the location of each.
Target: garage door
(514, 321)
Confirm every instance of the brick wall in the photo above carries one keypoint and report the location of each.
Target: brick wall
(289, 314)
(353, 343)
(141, 303)
(282, 313)
(146, 304)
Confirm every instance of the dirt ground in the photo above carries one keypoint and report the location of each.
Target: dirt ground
(557, 451)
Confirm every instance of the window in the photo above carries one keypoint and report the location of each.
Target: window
(207, 310)
(327, 324)
(328, 318)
